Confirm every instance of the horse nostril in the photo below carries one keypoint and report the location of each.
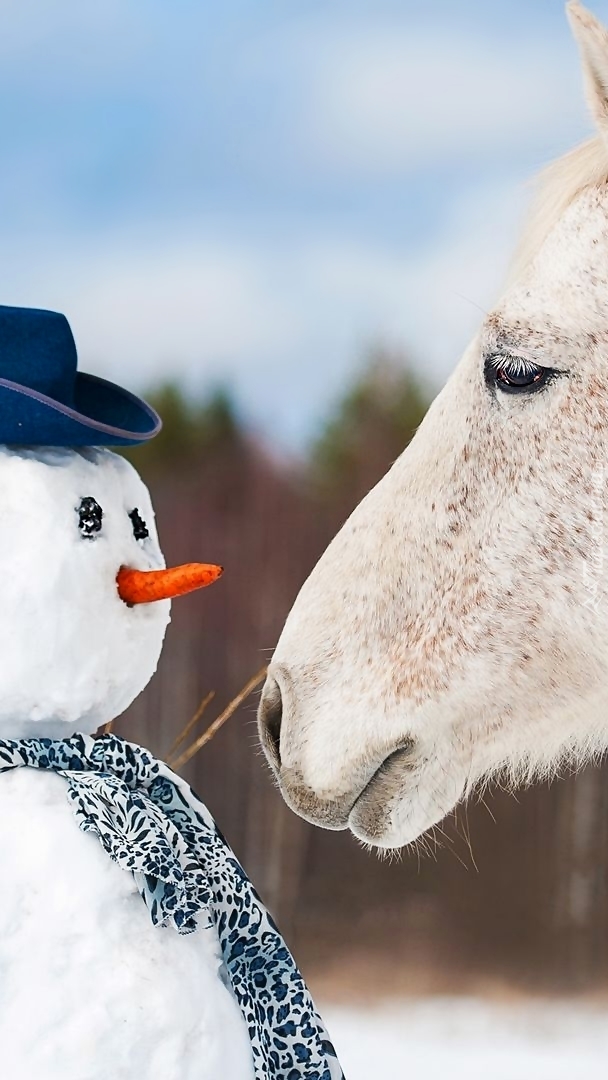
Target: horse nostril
(270, 714)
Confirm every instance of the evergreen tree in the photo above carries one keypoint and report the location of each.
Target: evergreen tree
(371, 426)
(192, 428)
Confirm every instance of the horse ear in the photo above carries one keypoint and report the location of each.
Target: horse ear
(592, 40)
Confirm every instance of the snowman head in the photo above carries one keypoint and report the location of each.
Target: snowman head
(74, 652)
(84, 596)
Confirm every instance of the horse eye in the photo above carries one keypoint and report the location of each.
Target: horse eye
(140, 529)
(90, 516)
(514, 374)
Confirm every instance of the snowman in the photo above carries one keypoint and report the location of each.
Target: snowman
(132, 944)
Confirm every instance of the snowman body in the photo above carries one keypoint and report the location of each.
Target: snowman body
(89, 988)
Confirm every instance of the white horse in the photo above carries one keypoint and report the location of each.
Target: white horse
(457, 626)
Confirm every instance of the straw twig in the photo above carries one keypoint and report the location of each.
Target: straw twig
(213, 728)
(191, 724)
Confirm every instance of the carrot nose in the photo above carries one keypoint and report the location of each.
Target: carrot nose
(144, 586)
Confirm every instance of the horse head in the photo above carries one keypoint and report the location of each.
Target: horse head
(457, 625)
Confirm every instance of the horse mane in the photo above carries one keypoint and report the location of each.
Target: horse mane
(556, 187)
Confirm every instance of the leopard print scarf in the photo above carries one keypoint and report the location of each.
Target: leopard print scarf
(151, 823)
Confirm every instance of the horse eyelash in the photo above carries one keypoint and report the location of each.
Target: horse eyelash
(521, 365)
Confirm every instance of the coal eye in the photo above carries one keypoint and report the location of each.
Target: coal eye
(140, 529)
(90, 516)
(515, 374)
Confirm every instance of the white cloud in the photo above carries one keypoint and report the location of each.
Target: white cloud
(148, 309)
(283, 308)
(285, 324)
(395, 99)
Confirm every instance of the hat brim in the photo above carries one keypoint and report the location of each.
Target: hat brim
(103, 414)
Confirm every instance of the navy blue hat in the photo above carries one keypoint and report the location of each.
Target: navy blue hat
(45, 401)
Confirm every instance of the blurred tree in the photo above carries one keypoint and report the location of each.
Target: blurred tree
(372, 425)
(191, 429)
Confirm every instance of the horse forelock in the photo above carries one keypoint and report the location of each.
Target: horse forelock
(556, 187)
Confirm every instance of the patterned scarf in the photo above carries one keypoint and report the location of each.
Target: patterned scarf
(151, 823)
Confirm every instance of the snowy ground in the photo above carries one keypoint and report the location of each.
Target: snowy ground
(467, 1039)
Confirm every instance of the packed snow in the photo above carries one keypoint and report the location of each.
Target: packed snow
(90, 989)
(468, 1039)
(73, 654)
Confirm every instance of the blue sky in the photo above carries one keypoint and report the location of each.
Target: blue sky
(253, 192)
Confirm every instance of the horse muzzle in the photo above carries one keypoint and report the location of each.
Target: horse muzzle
(367, 792)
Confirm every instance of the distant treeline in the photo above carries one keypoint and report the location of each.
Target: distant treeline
(514, 888)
